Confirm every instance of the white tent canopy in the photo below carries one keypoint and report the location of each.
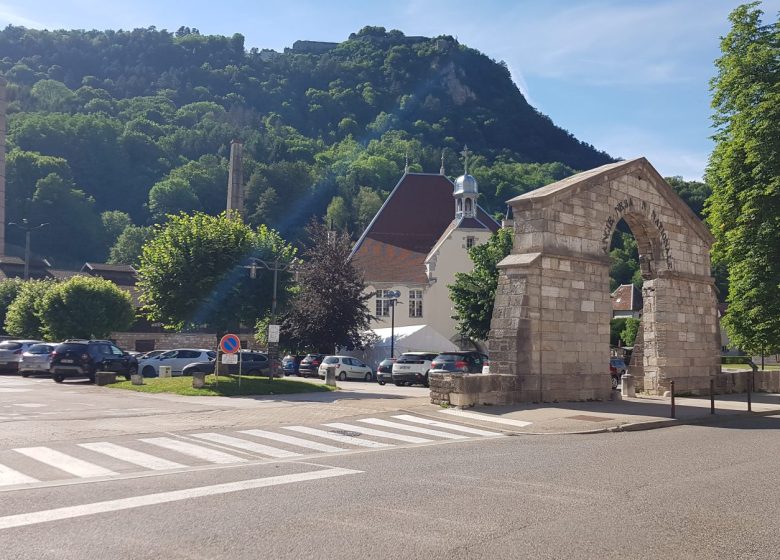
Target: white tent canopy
(414, 338)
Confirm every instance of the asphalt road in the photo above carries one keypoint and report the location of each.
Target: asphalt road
(684, 492)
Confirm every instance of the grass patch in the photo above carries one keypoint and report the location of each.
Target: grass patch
(227, 387)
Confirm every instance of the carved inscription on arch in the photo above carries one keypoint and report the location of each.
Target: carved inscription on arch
(627, 206)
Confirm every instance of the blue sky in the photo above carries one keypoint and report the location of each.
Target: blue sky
(629, 77)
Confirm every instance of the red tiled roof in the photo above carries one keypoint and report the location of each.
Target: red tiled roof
(627, 297)
(394, 246)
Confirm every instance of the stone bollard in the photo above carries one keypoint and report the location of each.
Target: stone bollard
(330, 376)
(105, 378)
(165, 371)
(627, 386)
(198, 380)
(137, 379)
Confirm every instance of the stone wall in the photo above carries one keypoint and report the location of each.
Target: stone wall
(167, 341)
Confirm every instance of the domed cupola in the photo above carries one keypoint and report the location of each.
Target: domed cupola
(466, 191)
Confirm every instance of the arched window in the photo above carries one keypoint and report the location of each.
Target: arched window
(460, 205)
(468, 206)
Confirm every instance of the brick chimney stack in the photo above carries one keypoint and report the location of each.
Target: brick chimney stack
(235, 195)
(2, 165)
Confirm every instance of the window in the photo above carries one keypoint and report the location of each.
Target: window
(383, 303)
(470, 241)
(468, 206)
(116, 351)
(415, 303)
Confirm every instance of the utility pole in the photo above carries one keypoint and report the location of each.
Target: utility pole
(27, 229)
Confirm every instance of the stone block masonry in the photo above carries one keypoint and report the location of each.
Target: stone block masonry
(549, 338)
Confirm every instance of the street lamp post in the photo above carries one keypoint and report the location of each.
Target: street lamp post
(394, 295)
(27, 228)
(276, 267)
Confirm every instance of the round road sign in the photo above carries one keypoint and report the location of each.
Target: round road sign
(230, 344)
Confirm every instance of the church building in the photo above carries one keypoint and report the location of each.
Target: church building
(415, 244)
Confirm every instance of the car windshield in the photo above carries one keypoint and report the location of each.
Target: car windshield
(8, 345)
(71, 347)
(331, 360)
(39, 349)
(449, 357)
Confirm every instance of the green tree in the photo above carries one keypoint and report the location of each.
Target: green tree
(9, 289)
(337, 215)
(193, 272)
(129, 245)
(694, 193)
(744, 172)
(474, 293)
(630, 330)
(84, 307)
(114, 223)
(171, 196)
(329, 308)
(23, 317)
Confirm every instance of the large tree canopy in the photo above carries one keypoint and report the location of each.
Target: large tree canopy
(193, 272)
(744, 173)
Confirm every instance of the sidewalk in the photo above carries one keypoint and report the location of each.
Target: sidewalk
(594, 417)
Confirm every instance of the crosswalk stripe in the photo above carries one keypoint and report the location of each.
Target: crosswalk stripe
(493, 419)
(292, 440)
(445, 425)
(336, 437)
(59, 460)
(408, 428)
(8, 476)
(246, 445)
(131, 456)
(197, 451)
(378, 433)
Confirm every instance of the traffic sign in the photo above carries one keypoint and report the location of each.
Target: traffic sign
(230, 344)
(230, 359)
(273, 333)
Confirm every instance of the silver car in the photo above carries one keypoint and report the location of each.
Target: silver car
(36, 360)
(11, 353)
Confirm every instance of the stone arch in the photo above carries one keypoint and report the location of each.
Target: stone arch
(549, 335)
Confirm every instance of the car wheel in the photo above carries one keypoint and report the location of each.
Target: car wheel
(131, 372)
(25, 375)
(58, 378)
(368, 376)
(399, 384)
(148, 371)
(381, 382)
(615, 382)
(425, 381)
(343, 376)
(254, 373)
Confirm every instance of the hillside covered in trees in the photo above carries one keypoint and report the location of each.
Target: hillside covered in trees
(109, 131)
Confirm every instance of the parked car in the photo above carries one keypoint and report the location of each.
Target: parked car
(617, 367)
(413, 367)
(149, 354)
(176, 359)
(36, 360)
(11, 353)
(459, 362)
(310, 364)
(84, 358)
(347, 367)
(290, 364)
(252, 363)
(384, 371)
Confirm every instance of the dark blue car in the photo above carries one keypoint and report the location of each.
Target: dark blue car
(290, 364)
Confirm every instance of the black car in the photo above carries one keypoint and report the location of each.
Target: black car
(310, 365)
(84, 358)
(251, 363)
(459, 362)
(384, 371)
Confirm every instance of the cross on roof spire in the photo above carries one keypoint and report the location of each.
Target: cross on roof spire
(406, 164)
(441, 169)
(465, 153)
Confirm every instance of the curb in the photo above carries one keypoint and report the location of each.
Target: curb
(630, 427)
